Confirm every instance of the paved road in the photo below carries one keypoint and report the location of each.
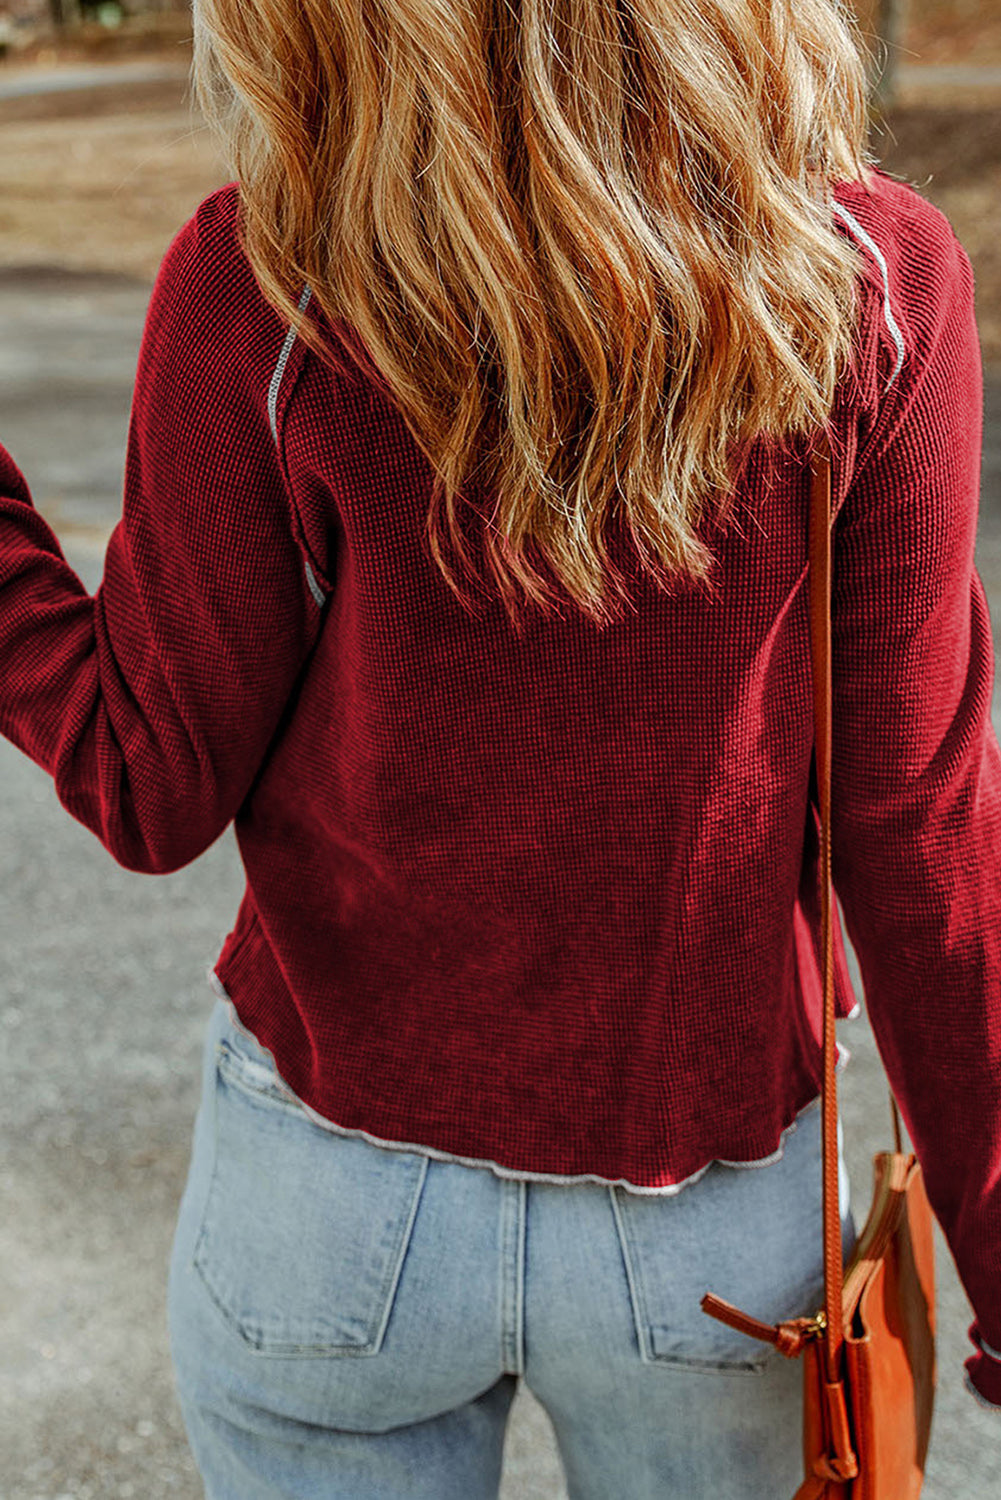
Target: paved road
(948, 75)
(102, 1004)
(19, 83)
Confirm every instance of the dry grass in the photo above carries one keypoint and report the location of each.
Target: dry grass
(101, 180)
(951, 152)
(950, 31)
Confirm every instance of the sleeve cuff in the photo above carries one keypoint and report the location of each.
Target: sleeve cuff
(983, 1371)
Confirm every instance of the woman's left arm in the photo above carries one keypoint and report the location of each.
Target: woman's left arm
(153, 703)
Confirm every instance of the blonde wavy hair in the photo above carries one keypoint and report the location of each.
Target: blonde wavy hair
(587, 244)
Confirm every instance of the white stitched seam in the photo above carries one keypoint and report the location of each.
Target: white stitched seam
(276, 380)
(877, 254)
(279, 371)
(314, 587)
(668, 1191)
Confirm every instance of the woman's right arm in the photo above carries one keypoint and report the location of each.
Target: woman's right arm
(916, 794)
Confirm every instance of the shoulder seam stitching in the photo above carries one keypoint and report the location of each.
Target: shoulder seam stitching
(276, 380)
(877, 254)
(279, 370)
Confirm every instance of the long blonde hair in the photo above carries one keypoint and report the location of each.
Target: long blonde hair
(587, 244)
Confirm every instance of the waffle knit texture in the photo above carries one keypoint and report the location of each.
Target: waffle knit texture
(549, 903)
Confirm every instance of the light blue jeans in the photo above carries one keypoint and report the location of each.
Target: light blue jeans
(349, 1322)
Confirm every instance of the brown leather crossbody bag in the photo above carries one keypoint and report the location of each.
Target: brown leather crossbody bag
(869, 1353)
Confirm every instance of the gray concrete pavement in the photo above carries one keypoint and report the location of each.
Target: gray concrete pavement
(20, 82)
(972, 77)
(103, 1001)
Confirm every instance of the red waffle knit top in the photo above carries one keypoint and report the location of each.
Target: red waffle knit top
(549, 903)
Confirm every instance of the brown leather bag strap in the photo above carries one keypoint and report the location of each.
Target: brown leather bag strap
(820, 649)
(820, 548)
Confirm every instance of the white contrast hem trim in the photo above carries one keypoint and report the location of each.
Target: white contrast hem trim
(511, 1173)
(985, 1346)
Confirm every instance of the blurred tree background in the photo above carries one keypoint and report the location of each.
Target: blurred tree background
(935, 30)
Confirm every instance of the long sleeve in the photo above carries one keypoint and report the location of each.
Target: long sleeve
(916, 795)
(153, 703)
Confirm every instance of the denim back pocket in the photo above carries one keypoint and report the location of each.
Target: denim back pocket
(751, 1236)
(304, 1230)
